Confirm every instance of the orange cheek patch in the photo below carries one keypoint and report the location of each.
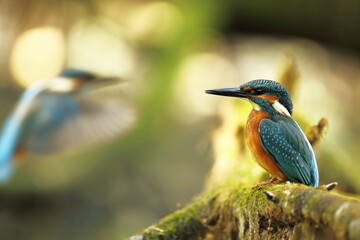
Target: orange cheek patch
(269, 98)
(246, 89)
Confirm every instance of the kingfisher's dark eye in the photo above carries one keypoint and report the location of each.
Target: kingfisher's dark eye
(256, 91)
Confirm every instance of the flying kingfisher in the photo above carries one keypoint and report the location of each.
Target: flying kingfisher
(61, 113)
(273, 136)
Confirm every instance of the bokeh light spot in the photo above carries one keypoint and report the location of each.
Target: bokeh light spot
(37, 54)
(197, 73)
(154, 22)
(100, 46)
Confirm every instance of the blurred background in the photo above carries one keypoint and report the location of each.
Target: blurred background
(168, 52)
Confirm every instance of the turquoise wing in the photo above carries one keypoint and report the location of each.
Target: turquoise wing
(288, 146)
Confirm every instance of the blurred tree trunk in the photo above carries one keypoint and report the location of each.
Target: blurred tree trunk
(230, 208)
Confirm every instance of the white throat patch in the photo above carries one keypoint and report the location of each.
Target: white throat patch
(62, 85)
(280, 108)
(256, 106)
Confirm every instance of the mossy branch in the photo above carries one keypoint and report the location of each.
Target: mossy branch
(293, 211)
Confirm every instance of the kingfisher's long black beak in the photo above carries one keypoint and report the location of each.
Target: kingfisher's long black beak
(229, 92)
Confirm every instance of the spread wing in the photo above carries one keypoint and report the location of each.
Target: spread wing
(66, 121)
(288, 146)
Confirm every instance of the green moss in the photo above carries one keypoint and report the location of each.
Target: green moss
(182, 224)
(239, 209)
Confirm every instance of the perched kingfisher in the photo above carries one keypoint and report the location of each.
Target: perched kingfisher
(273, 136)
(59, 114)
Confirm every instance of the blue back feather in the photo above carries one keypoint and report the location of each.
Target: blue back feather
(76, 73)
(286, 143)
(12, 131)
(8, 139)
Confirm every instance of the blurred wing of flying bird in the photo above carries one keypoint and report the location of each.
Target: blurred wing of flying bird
(67, 112)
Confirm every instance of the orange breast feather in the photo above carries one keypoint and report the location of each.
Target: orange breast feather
(254, 143)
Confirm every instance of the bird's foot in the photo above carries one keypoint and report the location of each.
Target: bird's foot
(265, 184)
